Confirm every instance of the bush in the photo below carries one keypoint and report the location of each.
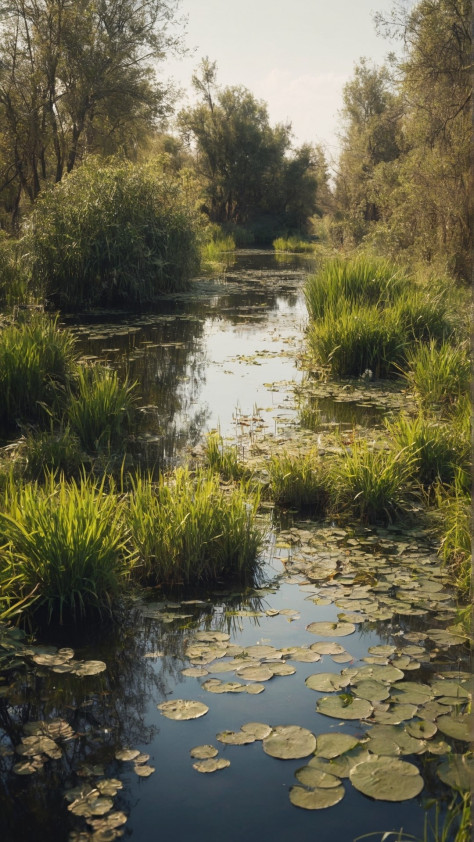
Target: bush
(189, 531)
(439, 375)
(67, 545)
(114, 233)
(100, 411)
(299, 482)
(352, 340)
(37, 366)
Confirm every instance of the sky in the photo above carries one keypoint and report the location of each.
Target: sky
(296, 55)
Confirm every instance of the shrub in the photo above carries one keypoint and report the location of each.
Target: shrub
(189, 531)
(100, 411)
(439, 450)
(439, 375)
(352, 340)
(67, 544)
(37, 365)
(353, 281)
(299, 481)
(372, 485)
(114, 233)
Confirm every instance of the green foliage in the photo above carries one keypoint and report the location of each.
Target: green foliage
(190, 531)
(37, 365)
(113, 233)
(358, 280)
(67, 544)
(52, 452)
(299, 481)
(292, 244)
(372, 485)
(13, 274)
(453, 515)
(439, 375)
(440, 450)
(100, 410)
(357, 339)
(217, 244)
(222, 459)
(425, 317)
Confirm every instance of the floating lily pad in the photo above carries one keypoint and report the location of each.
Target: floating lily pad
(235, 738)
(326, 682)
(27, 767)
(92, 805)
(181, 709)
(259, 730)
(393, 740)
(194, 672)
(213, 764)
(89, 668)
(411, 692)
(215, 685)
(211, 636)
(396, 714)
(457, 771)
(289, 742)
(259, 673)
(327, 648)
(106, 826)
(315, 799)
(341, 766)
(143, 771)
(203, 752)
(254, 689)
(127, 754)
(305, 656)
(450, 688)
(387, 779)
(372, 690)
(109, 786)
(456, 725)
(281, 669)
(309, 776)
(344, 706)
(328, 629)
(334, 744)
(377, 672)
(422, 729)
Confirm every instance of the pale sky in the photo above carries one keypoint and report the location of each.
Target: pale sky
(296, 55)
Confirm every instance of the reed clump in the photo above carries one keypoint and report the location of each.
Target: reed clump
(439, 450)
(223, 459)
(439, 375)
(188, 530)
(114, 233)
(292, 244)
(299, 481)
(100, 410)
(52, 451)
(65, 543)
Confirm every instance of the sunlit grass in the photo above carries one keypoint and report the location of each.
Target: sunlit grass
(439, 375)
(299, 481)
(223, 458)
(100, 411)
(53, 451)
(440, 450)
(293, 245)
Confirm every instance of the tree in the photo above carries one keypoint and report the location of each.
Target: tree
(77, 76)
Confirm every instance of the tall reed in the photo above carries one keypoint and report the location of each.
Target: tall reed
(439, 450)
(101, 409)
(438, 374)
(299, 481)
(187, 530)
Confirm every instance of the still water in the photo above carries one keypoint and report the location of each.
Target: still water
(227, 356)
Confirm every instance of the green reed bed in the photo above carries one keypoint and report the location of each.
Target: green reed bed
(293, 245)
(216, 247)
(101, 408)
(223, 459)
(439, 375)
(299, 481)
(188, 530)
(37, 367)
(113, 233)
(54, 451)
(13, 271)
(439, 450)
(66, 544)
(424, 316)
(453, 518)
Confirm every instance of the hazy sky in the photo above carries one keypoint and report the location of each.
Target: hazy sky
(296, 55)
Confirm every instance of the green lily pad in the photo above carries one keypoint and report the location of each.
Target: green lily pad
(212, 764)
(92, 805)
(259, 730)
(344, 706)
(127, 754)
(194, 672)
(334, 744)
(376, 672)
(143, 771)
(438, 747)
(259, 673)
(372, 690)
(422, 729)
(27, 767)
(396, 714)
(89, 668)
(109, 786)
(387, 779)
(314, 778)
(305, 656)
(393, 740)
(456, 725)
(181, 709)
(450, 688)
(215, 685)
(327, 629)
(235, 738)
(341, 766)
(289, 742)
(254, 689)
(327, 648)
(326, 682)
(315, 799)
(203, 752)
(457, 772)
(281, 669)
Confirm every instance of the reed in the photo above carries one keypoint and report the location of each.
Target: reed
(293, 245)
(439, 450)
(424, 316)
(37, 367)
(299, 481)
(438, 374)
(101, 408)
(54, 451)
(187, 530)
(66, 543)
(453, 516)
(223, 459)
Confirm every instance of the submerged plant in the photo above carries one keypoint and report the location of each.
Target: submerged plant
(100, 410)
(188, 530)
(67, 543)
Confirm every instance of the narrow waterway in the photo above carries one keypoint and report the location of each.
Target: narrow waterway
(227, 356)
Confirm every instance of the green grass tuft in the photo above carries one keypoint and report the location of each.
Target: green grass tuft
(101, 409)
(439, 375)
(299, 482)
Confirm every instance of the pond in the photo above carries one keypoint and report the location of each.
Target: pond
(344, 634)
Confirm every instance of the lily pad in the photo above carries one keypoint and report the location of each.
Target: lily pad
(89, 668)
(289, 742)
(259, 673)
(194, 672)
(259, 730)
(372, 690)
(342, 765)
(143, 771)
(326, 682)
(393, 740)
(109, 786)
(309, 776)
(327, 648)
(334, 744)
(456, 725)
(422, 729)
(387, 779)
(315, 799)
(457, 771)
(127, 754)
(344, 706)
(235, 738)
(181, 709)
(203, 752)
(327, 629)
(212, 764)
(450, 688)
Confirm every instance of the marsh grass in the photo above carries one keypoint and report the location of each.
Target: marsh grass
(101, 408)
(66, 543)
(188, 530)
(440, 450)
(372, 485)
(299, 481)
(438, 374)
(13, 271)
(426, 317)
(453, 515)
(217, 248)
(357, 281)
(53, 451)
(223, 459)
(354, 339)
(37, 367)
(293, 245)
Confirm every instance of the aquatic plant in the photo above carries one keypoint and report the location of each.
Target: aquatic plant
(438, 375)
(100, 409)
(299, 481)
(453, 518)
(113, 233)
(292, 244)
(440, 450)
(216, 245)
(188, 530)
(222, 458)
(13, 271)
(66, 542)
(371, 484)
(53, 451)
(424, 315)
(37, 366)
(351, 340)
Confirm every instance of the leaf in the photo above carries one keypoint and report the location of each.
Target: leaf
(387, 779)
(289, 742)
